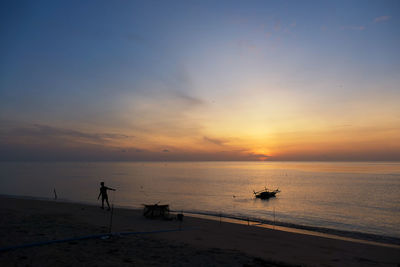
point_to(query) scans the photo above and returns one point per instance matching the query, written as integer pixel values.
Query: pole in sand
(111, 215)
(180, 219)
(274, 217)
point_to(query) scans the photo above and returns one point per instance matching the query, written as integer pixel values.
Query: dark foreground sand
(200, 243)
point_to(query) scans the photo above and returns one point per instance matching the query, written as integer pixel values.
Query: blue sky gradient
(161, 71)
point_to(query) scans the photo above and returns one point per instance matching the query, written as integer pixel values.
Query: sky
(200, 80)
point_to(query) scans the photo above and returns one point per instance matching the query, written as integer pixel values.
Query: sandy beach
(194, 242)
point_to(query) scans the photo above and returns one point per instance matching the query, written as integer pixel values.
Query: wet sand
(194, 242)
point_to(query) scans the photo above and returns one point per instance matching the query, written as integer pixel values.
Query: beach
(139, 241)
(266, 133)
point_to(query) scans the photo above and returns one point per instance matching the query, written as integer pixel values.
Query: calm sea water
(362, 197)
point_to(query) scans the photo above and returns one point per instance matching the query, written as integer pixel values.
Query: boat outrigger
(266, 193)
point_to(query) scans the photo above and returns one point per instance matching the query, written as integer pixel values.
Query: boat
(266, 193)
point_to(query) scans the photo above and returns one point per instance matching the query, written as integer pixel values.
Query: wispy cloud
(277, 25)
(354, 28)
(46, 131)
(215, 141)
(381, 19)
(186, 98)
(176, 86)
(254, 156)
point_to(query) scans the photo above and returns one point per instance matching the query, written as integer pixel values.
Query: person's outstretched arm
(109, 188)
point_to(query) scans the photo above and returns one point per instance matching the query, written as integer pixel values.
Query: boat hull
(266, 194)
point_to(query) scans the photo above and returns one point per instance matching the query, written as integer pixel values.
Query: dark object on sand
(156, 211)
(266, 194)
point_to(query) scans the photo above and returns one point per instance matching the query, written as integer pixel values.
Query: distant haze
(200, 80)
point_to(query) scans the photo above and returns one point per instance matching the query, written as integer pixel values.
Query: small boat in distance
(266, 193)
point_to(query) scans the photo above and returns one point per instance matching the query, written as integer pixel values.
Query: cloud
(165, 151)
(381, 19)
(186, 98)
(248, 46)
(354, 28)
(45, 131)
(254, 156)
(344, 125)
(215, 141)
(174, 87)
(133, 149)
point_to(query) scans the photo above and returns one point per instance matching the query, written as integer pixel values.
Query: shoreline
(193, 241)
(352, 236)
(306, 229)
(359, 237)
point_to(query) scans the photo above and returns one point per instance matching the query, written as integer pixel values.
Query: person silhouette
(103, 194)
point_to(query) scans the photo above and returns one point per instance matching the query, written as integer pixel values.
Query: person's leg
(102, 202)
(108, 204)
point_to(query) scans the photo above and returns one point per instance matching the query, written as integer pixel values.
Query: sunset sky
(200, 80)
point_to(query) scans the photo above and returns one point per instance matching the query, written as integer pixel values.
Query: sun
(261, 154)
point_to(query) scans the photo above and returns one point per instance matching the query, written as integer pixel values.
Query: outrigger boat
(266, 194)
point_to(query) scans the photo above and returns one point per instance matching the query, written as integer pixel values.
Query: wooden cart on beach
(156, 211)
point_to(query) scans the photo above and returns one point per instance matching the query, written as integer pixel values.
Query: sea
(355, 197)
